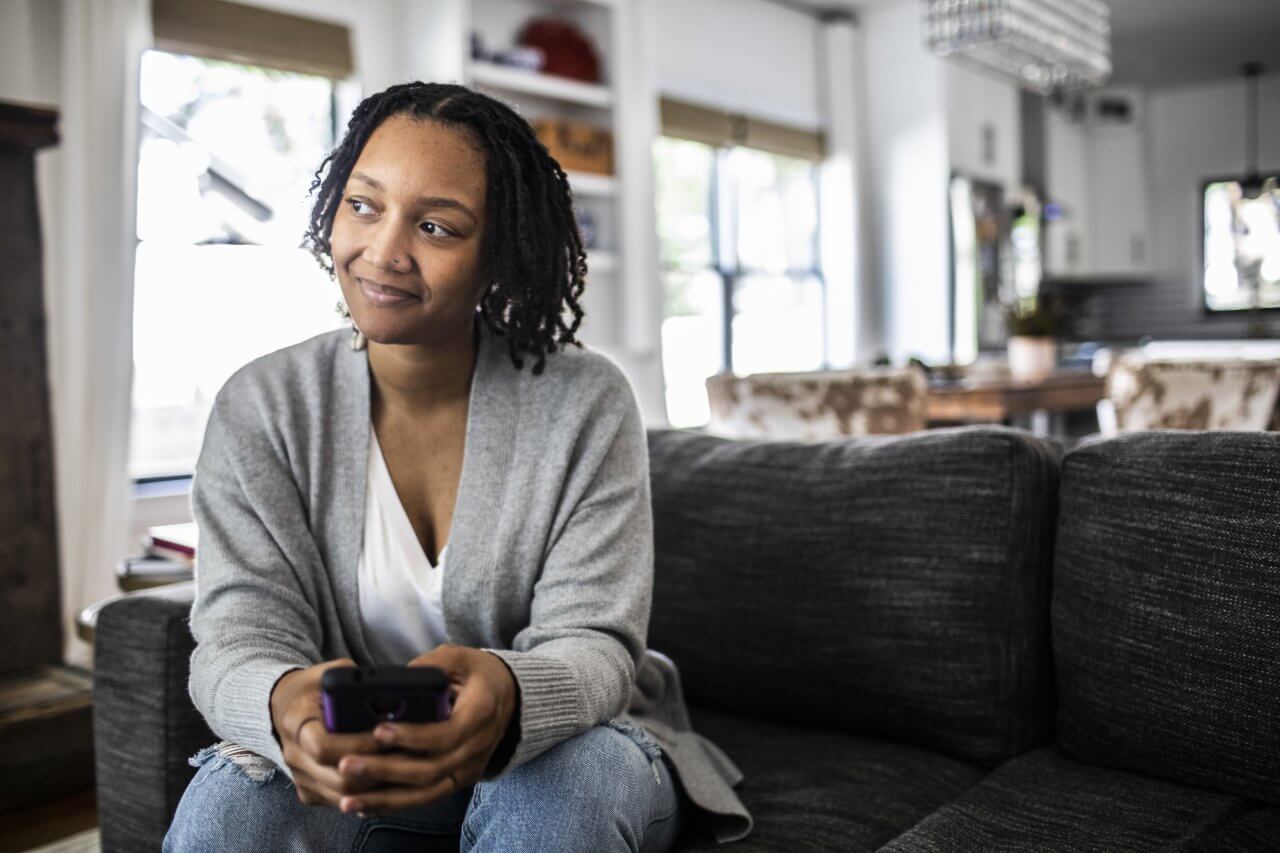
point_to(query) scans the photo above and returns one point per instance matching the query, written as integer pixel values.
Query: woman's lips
(385, 296)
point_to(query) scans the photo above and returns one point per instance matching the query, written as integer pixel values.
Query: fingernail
(385, 734)
(355, 768)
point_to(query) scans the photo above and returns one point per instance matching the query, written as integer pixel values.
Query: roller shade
(216, 29)
(722, 129)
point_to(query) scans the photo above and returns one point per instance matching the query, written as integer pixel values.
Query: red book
(172, 540)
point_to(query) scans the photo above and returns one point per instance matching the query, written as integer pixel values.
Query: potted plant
(1034, 325)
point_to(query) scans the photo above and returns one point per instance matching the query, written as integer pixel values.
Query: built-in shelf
(540, 85)
(585, 183)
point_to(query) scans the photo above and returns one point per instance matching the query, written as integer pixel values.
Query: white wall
(1191, 133)
(748, 56)
(909, 154)
(29, 53)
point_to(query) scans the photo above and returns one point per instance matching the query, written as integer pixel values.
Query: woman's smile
(385, 296)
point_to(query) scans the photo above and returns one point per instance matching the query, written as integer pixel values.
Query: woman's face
(412, 218)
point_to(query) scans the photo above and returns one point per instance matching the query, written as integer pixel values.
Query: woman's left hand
(438, 758)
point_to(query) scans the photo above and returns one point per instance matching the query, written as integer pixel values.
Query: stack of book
(168, 556)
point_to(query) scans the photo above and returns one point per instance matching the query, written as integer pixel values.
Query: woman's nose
(387, 248)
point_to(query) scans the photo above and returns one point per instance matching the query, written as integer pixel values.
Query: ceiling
(1168, 42)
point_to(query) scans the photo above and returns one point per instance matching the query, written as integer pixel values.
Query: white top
(401, 607)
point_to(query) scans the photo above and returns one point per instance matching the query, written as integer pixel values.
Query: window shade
(216, 29)
(723, 129)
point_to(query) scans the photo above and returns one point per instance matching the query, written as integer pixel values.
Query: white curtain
(90, 252)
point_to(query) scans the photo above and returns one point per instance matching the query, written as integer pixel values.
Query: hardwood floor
(46, 823)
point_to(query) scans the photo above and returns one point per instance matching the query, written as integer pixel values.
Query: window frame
(725, 263)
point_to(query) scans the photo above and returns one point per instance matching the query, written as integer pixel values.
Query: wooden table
(1001, 400)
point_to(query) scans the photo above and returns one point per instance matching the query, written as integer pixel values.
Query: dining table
(1035, 403)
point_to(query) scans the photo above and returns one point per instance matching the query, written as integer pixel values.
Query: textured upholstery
(894, 587)
(817, 406)
(863, 626)
(813, 789)
(1166, 608)
(144, 725)
(1046, 802)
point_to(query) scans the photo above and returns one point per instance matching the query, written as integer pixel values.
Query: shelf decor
(1045, 45)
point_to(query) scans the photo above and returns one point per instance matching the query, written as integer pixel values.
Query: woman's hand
(310, 750)
(438, 758)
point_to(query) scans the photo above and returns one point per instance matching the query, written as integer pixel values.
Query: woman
(334, 477)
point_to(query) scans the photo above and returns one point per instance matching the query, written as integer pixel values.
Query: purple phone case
(443, 708)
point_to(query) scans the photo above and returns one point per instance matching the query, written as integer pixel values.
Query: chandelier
(1046, 45)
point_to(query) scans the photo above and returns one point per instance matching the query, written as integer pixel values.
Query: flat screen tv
(1241, 248)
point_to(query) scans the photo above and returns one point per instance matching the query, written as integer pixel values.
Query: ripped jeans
(608, 788)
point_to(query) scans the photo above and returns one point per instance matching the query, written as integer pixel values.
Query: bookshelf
(623, 293)
(514, 81)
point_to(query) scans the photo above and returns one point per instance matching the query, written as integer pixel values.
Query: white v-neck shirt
(401, 602)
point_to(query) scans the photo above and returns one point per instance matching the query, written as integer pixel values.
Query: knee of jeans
(227, 791)
(246, 764)
(614, 759)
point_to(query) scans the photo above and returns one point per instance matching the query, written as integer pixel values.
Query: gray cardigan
(550, 549)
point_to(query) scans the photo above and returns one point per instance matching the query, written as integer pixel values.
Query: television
(1241, 243)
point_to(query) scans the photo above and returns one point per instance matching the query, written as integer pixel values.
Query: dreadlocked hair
(533, 248)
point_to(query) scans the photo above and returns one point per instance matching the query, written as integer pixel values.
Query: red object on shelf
(568, 52)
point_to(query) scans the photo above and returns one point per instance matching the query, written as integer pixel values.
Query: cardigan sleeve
(576, 660)
(252, 618)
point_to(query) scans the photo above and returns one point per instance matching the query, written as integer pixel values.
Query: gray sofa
(953, 640)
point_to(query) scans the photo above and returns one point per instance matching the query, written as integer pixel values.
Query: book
(174, 541)
(150, 570)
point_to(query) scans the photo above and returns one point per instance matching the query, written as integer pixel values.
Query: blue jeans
(608, 788)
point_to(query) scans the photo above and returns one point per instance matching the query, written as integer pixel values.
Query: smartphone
(357, 698)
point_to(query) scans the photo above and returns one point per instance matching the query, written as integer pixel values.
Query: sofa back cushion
(892, 586)
(1166, 608)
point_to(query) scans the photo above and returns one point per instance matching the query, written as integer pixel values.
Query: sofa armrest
(144, 724)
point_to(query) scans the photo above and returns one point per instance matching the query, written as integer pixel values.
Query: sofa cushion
(820, 790)
(1166, 610)
(1044, 801)
(891, 586)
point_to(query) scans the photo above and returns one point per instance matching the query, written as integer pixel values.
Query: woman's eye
(356, 205)
(436, 230)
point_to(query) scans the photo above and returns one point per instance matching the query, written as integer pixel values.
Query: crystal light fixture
(1046, 45)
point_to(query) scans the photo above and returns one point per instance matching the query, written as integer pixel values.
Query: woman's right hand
(310, 750)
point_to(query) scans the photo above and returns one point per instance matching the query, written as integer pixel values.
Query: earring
(358, 340)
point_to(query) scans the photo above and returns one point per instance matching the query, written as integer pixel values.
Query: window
(226, 157)
(738, 237)
(1242, 245)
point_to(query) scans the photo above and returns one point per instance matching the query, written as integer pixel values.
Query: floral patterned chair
(817, 406)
